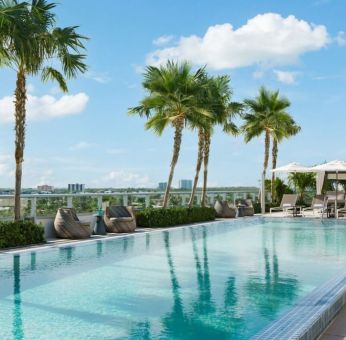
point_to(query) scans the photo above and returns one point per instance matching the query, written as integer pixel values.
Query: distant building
(75, 188)
(45, 188)
(162, 185)
(185, 184)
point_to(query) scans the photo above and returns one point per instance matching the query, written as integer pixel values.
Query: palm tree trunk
(207, 141)
(20, 100)
(266, 152)
(274, 160)
(198, 165)
(265, 165)
(179, 125)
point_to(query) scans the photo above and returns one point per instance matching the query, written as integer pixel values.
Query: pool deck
(337, 329)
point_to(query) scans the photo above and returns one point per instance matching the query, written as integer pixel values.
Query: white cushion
(286, 205)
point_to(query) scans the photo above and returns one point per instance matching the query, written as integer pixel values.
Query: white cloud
(45, 107)
(100, 77)
(340, 38)
(122, 179)
(266, 39)
(139, 69)
(286, 77)
(80, 146)
(163, 40)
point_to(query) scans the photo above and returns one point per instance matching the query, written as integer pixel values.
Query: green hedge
(154, 218)
(21, 233)
(258, 210)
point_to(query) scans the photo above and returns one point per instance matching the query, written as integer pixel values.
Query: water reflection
(99, 249)
(17, 329)
(175, 322)
(198, 319)
(128, 244)
(33, 261)
(204, 303)
(270, 293)
(66, 254)
(147, 241)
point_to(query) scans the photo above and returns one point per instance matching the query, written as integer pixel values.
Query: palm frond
(49, 73)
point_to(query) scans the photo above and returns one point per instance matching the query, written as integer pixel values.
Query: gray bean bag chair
(223, 210)
(248, 207)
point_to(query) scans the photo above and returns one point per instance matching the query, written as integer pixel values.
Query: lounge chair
(317, 204)
(223, 210)
(68, 225)
(331, 199)
(341, 211)
(120, 219)
(288, 203)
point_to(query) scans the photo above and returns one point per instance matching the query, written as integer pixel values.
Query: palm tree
(266, 112)
(301, 182)
(215, 99)
(33, 42)
(173, 90)
(286, 128)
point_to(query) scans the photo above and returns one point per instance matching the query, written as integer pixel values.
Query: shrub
(154, 218)
(20, 233)
(258, 210)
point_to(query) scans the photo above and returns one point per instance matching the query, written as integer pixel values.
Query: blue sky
(297, 47)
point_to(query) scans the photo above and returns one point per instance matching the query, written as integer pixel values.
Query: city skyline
(99, 139)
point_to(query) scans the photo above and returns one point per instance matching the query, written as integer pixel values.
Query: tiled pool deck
(322, 311)
(337, 329)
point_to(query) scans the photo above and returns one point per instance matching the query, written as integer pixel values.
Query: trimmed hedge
(155, 218)
(258, 210)
(20, 233)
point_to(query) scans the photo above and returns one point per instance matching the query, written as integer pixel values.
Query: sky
(86, 136)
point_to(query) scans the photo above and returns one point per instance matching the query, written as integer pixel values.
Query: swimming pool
(222, 280)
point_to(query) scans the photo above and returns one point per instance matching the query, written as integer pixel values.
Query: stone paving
(337, 329)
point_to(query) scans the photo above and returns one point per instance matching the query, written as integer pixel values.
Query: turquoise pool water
(225, 280)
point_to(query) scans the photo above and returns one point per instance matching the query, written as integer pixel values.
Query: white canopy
(296, 167)
(292, 167)
(333, 166)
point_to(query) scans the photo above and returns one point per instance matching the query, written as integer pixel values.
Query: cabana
(333, 170)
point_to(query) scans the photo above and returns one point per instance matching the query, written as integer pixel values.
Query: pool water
(224, 280)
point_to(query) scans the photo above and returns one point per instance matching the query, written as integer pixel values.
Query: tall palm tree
(224, 119)
(173, 90)
(32, 44)
(286, 128)
(266, 111)
(215, 99)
